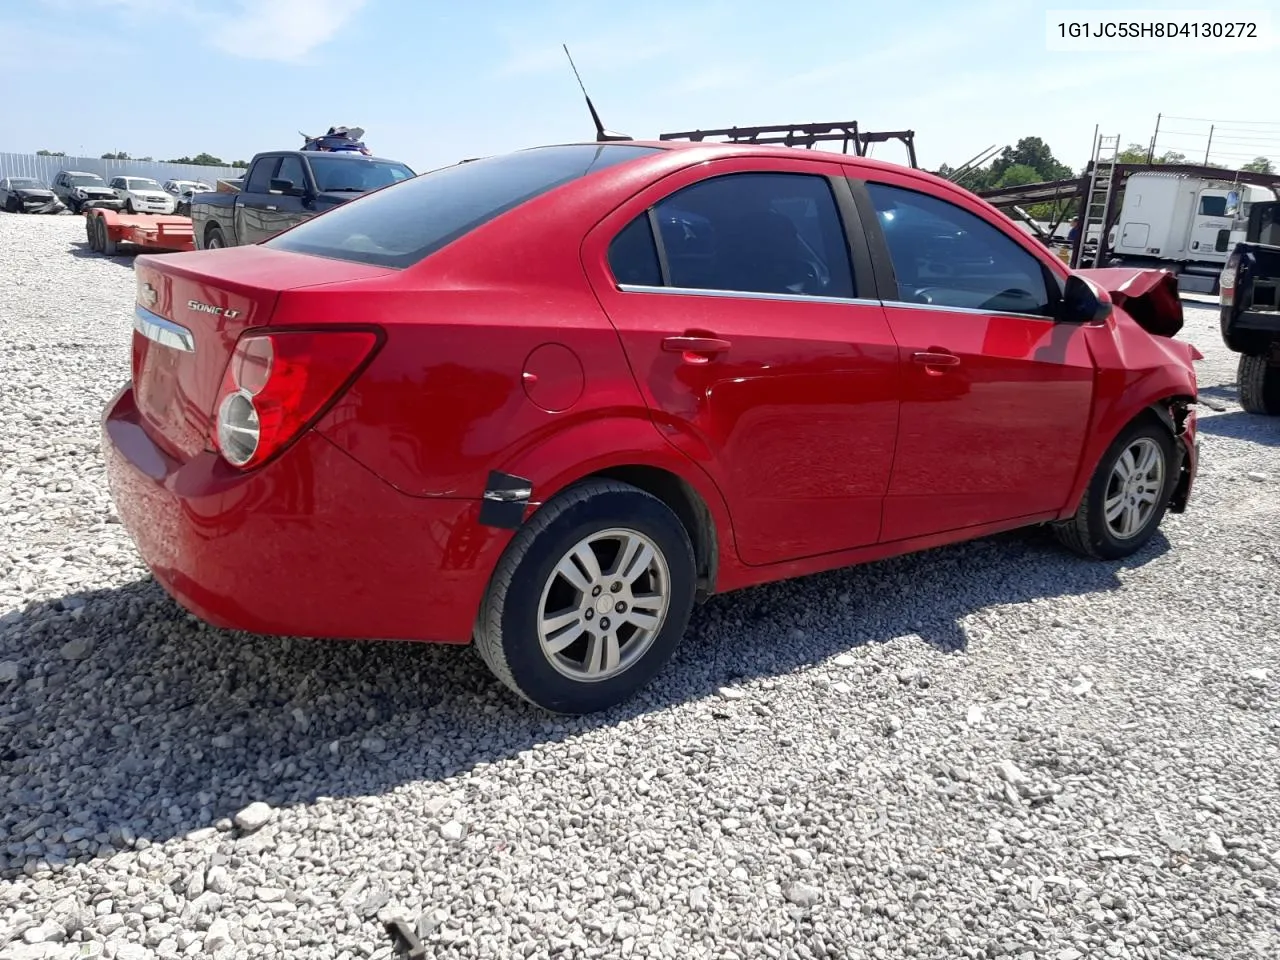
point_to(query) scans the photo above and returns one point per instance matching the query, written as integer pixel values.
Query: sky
(433, 82)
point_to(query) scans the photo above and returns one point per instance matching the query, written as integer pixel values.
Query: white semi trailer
(1190, 224)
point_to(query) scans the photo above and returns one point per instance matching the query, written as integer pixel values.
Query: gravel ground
(983, 751)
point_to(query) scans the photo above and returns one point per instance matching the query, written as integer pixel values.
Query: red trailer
(108, 229)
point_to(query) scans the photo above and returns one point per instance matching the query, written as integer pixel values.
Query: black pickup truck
(1250, 310)
(282, 189)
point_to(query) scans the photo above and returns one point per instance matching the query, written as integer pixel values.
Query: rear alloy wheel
(590, 599)
(1258, 380)
(1127, 497)
(213, 239)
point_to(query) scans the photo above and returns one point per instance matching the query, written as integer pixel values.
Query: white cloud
(280, 30)
(285, 30)
(534, 46)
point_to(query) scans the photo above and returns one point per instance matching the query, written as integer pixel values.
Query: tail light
(278, 384)
(1227, 279)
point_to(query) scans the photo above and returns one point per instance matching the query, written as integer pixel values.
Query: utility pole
(1208, 146)
(1151, 151)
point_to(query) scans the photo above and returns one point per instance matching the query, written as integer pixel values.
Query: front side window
(775, 233)
(259, 180)
(945, 256)
(291, 170)
(1213, 206)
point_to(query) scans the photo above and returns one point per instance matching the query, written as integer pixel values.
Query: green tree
(1259, 165)
(116, 156)
(1017, 175)
(1137, 153)
(1034, 153)
(50, 153)
(202, 160)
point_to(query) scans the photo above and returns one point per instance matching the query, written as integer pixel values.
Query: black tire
(11, 205)
(91, 233)
(213, 238)
(507, 634)
(128, 205)
(1089, 533)
(1258, 381)
(106, 246)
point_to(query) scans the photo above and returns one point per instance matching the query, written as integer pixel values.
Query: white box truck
(1190, 224)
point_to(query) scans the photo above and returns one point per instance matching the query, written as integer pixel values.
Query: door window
(291, 170)
(260, 176)
(1213, 205)
(773, 233)
(633, 256)
(946, 256)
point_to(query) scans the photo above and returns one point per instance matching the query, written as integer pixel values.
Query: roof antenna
(602, 135)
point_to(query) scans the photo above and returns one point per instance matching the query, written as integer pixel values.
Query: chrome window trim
(744, 295)
(164, 332)
(805, 298)
(973, 311)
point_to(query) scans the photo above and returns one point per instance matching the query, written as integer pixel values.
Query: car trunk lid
(191, 309)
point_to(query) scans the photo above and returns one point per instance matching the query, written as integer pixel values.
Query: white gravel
(985, 751)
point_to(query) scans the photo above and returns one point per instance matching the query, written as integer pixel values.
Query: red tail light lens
(277, 384)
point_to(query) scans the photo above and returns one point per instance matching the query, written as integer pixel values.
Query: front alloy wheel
(1134, 488)
(1125, 501)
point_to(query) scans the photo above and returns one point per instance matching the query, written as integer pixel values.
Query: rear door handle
(697, 345)
(929, 358)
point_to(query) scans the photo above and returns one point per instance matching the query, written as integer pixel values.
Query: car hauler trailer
(108, 230)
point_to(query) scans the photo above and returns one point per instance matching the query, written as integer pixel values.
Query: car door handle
(271, 206)
(699, 345)
(929, 358)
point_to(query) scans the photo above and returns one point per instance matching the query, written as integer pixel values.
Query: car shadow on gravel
(83, 251)
(128, 720)
(1239, 425)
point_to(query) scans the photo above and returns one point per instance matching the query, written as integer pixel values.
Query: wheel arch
(686, 503)
(645, 460)
(1170, 409)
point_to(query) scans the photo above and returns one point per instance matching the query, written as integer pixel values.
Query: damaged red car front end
(1146, 317)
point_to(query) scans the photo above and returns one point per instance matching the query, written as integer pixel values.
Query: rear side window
(633, 256)
(773, 233)
(399, 226)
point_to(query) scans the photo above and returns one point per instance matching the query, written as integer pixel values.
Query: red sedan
(547, 401)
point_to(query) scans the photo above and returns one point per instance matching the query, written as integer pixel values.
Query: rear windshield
(355, 176)
(399, 226)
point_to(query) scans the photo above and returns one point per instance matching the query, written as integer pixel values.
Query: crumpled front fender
(1149, 296)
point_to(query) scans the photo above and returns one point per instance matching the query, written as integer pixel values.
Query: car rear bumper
(312, 544)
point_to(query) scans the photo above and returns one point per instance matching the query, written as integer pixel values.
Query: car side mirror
(1080, 304)
(279, 185)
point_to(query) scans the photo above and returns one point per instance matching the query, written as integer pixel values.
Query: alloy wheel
(604, 605)
(1134, 488)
